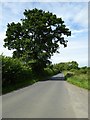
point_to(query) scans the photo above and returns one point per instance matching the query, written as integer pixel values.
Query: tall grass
(78, 77)
(81, 80)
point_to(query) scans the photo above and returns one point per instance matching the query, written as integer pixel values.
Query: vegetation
(66, 66)
(78, 77)
(74, 74)
(16, 74)
(81, 80)
(36, 38)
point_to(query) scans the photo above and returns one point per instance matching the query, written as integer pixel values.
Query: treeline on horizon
(17, 74)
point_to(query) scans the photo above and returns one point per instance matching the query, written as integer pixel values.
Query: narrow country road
(54, 98)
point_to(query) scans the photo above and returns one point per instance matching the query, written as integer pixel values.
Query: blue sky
(75, 16)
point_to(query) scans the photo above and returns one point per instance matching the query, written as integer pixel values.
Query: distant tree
(36, 37)
(70, 65)
(73, 65)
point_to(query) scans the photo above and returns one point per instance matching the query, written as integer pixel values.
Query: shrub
(48, 71)
(84, 71)
(13, 71)
(69, 74)
(73, 70)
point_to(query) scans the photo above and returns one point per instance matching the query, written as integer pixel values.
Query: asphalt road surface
(54, 98)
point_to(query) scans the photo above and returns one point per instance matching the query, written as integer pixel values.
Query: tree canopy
(36, 37)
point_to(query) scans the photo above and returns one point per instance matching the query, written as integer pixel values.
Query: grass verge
(78, 79)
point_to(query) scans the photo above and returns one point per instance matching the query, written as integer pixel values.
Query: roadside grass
(78, 78)
(80, 81)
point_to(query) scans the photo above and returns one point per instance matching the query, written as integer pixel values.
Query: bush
(84, 71)
(69, 74)
(73, 70)
(48, 71)
(13, 71)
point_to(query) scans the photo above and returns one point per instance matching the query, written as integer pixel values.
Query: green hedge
(13, 71)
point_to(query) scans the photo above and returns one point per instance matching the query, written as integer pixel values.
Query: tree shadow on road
(55, 79)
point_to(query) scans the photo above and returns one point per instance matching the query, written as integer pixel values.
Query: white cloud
(12, 7)
(75, 51)
(79, 57)
(3, 50)
(74, 13)
(6, 52)
(79, 34)
(82, 17)
(2, 36)
(1, 15)
(79, 31)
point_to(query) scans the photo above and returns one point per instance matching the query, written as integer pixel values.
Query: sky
(75, 16)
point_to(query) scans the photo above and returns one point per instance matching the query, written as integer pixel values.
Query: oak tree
(36, 37)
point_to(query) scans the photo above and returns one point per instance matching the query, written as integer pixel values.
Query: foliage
(72, 65)
(48, 71)
(16, 74)
(69, 74)
(66, 66)
(36, 37)
(83, 70)
(14, 71)
(78, 77)
(81, 80)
